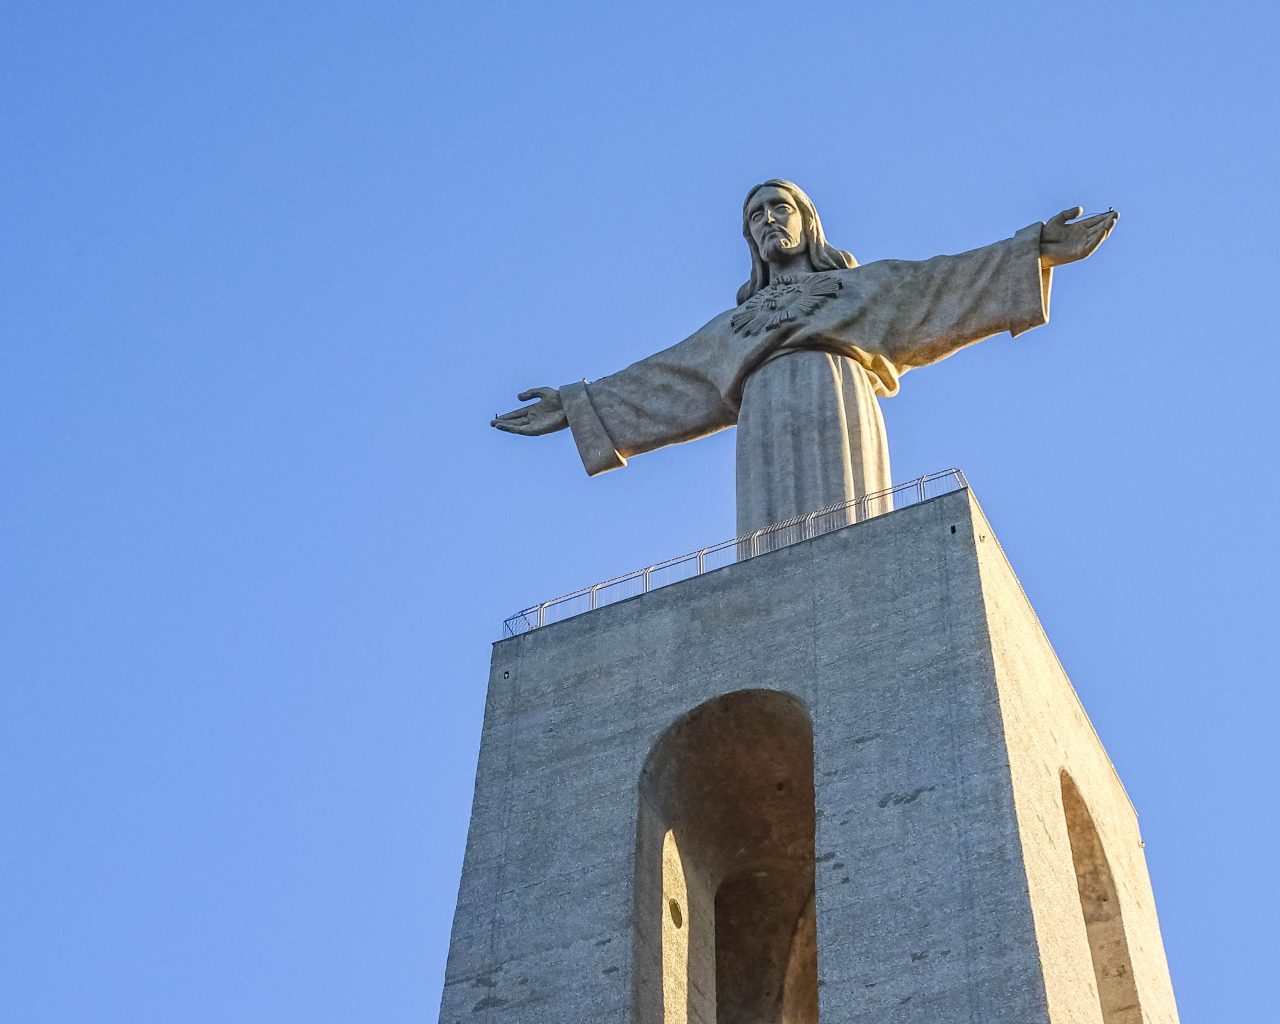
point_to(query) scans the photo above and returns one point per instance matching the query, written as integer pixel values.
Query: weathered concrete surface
(945, 885)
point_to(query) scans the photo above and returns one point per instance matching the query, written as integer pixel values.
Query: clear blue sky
(267, 271)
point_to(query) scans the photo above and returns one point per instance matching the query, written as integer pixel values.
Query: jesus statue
(798, 364)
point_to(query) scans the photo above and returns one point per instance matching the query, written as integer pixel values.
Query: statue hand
(1061, 242)
(543, 417)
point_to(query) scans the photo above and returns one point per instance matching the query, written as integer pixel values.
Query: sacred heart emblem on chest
(784, 299)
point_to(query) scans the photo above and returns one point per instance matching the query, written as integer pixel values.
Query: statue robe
(802, 392)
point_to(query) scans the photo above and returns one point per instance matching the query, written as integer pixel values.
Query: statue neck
(792, 265)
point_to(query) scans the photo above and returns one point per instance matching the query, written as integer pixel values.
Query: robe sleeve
(929, 309)
(665, 399)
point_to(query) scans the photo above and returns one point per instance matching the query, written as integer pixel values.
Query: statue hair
(822, 254)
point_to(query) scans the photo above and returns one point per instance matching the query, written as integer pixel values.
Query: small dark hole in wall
(677, 918)
(781, 786)
(507, 675)
(953, 529)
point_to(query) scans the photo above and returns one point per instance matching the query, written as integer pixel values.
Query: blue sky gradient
(269, 269)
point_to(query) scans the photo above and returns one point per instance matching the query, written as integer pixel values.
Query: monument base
(847, 780)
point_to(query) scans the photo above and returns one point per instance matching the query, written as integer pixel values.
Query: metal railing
(683, 567)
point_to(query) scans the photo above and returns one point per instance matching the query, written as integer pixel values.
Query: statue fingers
(512, 426)
(1092, 237)
(1100, 231)
(1066, 215)
(514, 416)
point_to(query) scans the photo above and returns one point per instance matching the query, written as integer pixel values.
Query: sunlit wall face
(675, 935)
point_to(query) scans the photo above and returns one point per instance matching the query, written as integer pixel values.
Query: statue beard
(780, 247)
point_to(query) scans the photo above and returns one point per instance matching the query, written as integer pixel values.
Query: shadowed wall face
(1100, 905)
(725, 867)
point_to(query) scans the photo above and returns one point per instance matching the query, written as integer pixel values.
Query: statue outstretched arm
(936, 307)
(673, 396)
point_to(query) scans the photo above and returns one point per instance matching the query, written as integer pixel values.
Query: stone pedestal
(646, 829)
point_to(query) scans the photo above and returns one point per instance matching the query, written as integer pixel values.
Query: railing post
(591, 598)
(542, 615)
(920, 487)
(702, 559)
(646, 579)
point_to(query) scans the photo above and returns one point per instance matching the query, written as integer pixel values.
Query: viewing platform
(730, 552)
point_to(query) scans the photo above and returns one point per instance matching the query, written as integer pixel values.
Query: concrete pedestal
(974, 857)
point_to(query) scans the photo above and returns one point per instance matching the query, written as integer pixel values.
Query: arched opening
(1100, 905)
(725, 924)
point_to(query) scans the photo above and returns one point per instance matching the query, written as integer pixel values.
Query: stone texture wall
(942, 891)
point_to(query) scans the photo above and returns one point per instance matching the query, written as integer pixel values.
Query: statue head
(784, 234)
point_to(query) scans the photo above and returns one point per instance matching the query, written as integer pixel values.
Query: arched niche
(1100, 906)
(725, 927)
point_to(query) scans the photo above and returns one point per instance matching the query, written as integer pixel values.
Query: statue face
(776, 224)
